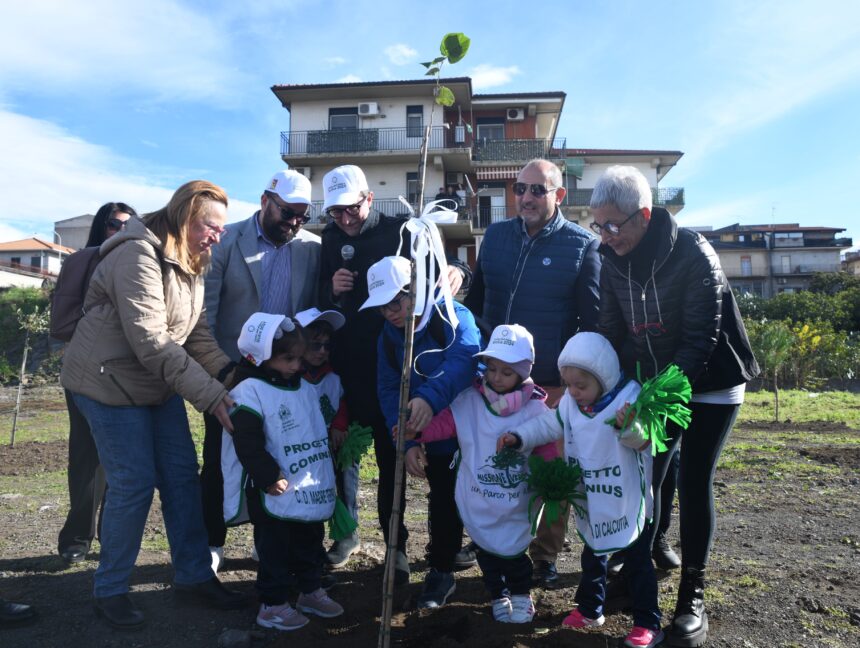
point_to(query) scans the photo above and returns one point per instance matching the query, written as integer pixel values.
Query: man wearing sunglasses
(266, 263)
(541, 271)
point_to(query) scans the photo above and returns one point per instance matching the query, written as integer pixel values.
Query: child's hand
(621, 415)
(420, 414)
(336, 438)
(416, 460)
(633, 436)
(409, 435)
(508, 440)
(279, 487)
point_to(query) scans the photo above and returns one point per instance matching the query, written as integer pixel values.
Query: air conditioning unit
(305, 171)
(516, 114)
(369, 109)
(453, 178)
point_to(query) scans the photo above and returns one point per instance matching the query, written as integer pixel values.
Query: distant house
(73, 232)
(30, 262)
(851, 263)
(478, 143)
(766, 260)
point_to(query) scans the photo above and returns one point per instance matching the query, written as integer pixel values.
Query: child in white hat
(278, 471)
(319, 327)
(616, 465)
(493, 499)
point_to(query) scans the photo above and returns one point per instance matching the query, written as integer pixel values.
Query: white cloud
(489, 76)
(167, 50)
(400, 54)
(333, 61)
(349, 78)
(38, 188)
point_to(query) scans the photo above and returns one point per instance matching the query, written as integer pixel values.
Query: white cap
(255, 340)
(344, 186)
(290, 186)
(593, 353)
(510, 343)
(385, 279)
(313, 314)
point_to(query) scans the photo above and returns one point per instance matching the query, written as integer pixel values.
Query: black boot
(664, 556)
(211, 593)
(689, 627)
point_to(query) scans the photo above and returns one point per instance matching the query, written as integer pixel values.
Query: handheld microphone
(347, 252)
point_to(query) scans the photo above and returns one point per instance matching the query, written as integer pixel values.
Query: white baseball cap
(510, 343)
(344, 186)
(313, 314)
(593, 353)
(290, 186)
(255, 340)
(385, 279)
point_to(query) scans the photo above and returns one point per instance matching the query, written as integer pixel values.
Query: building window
(746, 266)
(785, 264)
(36, 262)
(15, 262)
(343, 118)
(414, 121)
(412, 187)
(491, 128)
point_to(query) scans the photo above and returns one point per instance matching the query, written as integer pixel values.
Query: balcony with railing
(806, 268)
(516, 150)
(365, 140)
(662, 197)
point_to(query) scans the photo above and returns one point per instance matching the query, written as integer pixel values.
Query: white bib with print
(297, 438)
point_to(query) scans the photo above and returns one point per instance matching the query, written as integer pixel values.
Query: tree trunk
(775, 398)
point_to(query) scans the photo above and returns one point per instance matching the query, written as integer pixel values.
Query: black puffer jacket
(668, 301)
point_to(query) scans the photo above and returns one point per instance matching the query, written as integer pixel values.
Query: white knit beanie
(593, 353)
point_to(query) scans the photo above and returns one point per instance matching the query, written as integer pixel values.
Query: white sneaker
(217, 558)
(502, 609)
(522, 608)
(320, 604)
(281, 617)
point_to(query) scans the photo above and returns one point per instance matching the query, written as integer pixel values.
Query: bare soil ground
(785, 568)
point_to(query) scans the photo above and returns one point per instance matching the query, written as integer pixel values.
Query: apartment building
(477, 145)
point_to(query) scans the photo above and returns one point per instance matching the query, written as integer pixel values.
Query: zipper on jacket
(118, 386)
(521, 265)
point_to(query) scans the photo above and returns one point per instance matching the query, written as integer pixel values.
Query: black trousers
(443, 520)
(291, 553)
(667, 492)
(513, 574)
(703, 442)
(212, 483)
(86, 483)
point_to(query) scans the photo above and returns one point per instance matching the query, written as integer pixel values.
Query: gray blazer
(233, 282)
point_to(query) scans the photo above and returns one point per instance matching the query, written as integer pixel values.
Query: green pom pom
(358, 441)
(555, 482)
(662, 398)
(340, 524)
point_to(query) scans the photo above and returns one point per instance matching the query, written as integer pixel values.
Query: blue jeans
(141, 449)
(638, 573)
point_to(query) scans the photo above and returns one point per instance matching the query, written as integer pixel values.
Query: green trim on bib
(245, 408)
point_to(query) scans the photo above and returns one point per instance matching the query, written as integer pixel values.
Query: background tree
(773, 343)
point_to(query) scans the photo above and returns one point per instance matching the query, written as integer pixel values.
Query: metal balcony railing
(516, 150)
(662, 197)
(806, 268)
(365, 140)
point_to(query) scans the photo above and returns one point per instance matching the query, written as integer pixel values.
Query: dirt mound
(33, 457)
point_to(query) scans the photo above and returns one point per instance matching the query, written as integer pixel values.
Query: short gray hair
(551, 170)
(623, 187)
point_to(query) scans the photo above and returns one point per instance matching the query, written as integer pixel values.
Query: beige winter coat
(144, 336)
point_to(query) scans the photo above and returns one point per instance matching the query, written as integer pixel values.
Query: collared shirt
(275, 291)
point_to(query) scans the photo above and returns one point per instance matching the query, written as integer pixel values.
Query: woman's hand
(222, 412)
(416, 460)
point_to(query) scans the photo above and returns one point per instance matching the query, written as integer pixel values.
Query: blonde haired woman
(140, 349)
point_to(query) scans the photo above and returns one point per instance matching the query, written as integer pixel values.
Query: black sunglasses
(115, 223)
(538, 190)
(613, 229)
(288, 214)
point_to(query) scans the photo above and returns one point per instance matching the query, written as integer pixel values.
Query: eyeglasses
(115, 223)
(613, 229)
(537, 190)
(319, 346)
(217, 230)
(288, 214)
(394, 306)
(339, 212)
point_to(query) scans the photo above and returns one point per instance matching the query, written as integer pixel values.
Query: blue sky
(116, 100)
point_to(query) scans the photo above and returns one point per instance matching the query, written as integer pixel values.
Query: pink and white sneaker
(281, 617)
(578, 620)
(640, 637)
(320, 604)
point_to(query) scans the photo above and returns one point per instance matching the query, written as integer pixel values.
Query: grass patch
(803, 406)
(751, 582)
